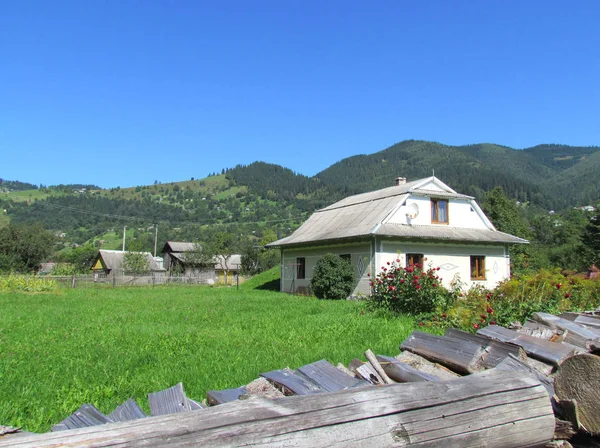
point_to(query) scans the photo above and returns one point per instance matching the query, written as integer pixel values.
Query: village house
(111, 262)
(423, 221)
(183, 258)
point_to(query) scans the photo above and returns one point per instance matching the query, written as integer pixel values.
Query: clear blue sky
(122, 93)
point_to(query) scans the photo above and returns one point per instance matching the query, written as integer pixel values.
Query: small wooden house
(111, 262)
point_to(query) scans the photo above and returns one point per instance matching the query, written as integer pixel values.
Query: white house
(423, 221)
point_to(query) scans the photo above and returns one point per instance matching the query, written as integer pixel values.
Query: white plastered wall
(454, 260)
(461, 213)
(360, 254)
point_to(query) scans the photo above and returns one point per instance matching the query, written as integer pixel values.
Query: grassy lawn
(60, 350)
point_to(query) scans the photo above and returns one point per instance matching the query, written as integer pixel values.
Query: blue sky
(122, 93)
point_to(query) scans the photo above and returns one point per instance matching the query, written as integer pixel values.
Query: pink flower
(434, 285)
(567, 295)
(558, 285)
(476, 326)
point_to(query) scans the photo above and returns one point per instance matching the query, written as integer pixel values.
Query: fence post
(73, 281)
(114, 280)
(153, 280)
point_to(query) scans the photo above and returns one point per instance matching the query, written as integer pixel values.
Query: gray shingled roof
(113, 259)
(434, 232)
(177, 246)
(361, 216)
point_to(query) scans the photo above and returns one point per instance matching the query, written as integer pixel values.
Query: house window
(477, 267)
(346, 257)
(439, 211)
(300, 268)
(412, 259)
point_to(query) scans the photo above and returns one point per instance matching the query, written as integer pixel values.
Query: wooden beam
(461, 356)
(491, 408)
(546, 351)
(495, 351)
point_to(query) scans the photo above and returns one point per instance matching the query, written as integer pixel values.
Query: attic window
(439, 211)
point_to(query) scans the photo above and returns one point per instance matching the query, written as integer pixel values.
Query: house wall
(460, 213)
(360, 255)
(453, 259)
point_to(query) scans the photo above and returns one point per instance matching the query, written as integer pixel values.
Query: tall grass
(62, 349)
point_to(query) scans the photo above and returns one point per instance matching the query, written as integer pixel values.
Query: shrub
(333, 278)
(516, 300)
(27, 283)
(410, 290)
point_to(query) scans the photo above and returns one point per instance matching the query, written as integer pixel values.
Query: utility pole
(124, 229)
(155, 238)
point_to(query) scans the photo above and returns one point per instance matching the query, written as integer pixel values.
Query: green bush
(26, 283)
(516, 300)
(333, 278)
(411, 290)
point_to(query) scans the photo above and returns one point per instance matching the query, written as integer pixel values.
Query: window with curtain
(439, 211)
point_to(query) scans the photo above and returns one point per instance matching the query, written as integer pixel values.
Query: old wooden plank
(495, 351)
(540, 331)
(546, 351)
(377, 367)
(195, 405)
(368, 373)
(130, 410)
(588, 320)
(426, 366)
(169, 401)
(86, 415)
(402, 372)
(425, 414)
(295, 382)
(577, 334)
(329, 378)
(461, 356)
(512, 363)
(216, 397)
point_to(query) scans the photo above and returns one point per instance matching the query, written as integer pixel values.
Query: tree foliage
(333, 278)
(24, 247)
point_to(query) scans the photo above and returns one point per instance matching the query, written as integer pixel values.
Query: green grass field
(60, 350)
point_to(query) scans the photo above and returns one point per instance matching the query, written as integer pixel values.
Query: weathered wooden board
(86, 415)
(169, 401)
(512, 363)
(130, 410)
(369, 374)
(582, 319)
(295, 382)
(425, 366)
(495, 351)
(461, 356)
(329, 378)
(425, 414)
(546, 351)
(216, 397)
(402, 372)
(579, 335)
(540, 331)
(195, 405)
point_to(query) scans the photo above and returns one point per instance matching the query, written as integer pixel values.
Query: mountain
(251, 199)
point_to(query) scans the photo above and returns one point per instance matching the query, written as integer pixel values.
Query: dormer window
(439, 211)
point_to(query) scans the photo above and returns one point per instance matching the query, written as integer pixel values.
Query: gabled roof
(178, 246)
(365, 214)
(113, 259)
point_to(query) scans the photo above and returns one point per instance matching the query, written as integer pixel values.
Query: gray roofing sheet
(374, 195)
(177, 246)
(440, 232)
(113, 259)
(440, 194)
(342, 222)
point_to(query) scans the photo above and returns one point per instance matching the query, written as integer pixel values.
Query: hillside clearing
(79, 346)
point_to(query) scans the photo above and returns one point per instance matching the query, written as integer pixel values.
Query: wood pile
(535, 385)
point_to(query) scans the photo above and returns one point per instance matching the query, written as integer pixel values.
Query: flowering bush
(516, 300)
(411, 290)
